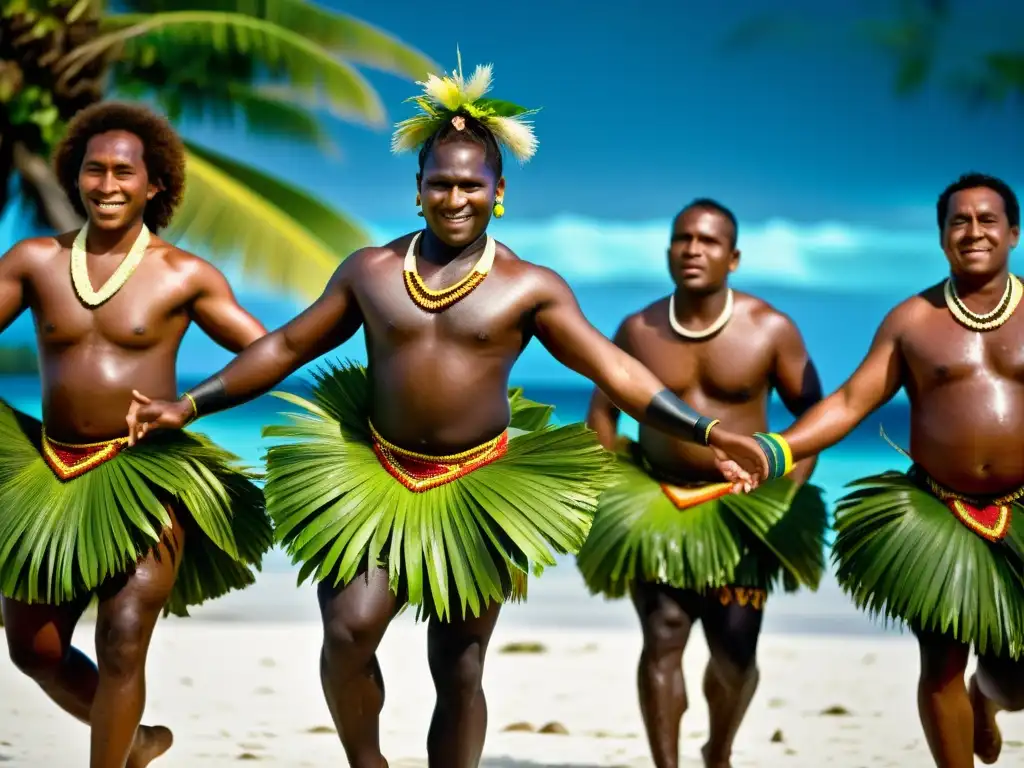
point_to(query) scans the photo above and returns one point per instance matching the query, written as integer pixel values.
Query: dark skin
(89, 358)
(440, 384)
(730, 374)
(966, 391)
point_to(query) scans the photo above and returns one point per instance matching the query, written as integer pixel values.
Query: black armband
(670, 414)
(208, 397)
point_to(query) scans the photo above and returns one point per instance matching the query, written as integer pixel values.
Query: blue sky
(832, 176)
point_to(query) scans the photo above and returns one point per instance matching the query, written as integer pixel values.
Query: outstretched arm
(796, 380)
(565, 332)
(327, 323)
(872, 385)
(217, 312)
(12, 286)
(603, 415)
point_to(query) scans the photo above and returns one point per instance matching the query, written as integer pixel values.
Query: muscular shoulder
(770, 321)
(26, 256)
(193, 271)
(913, 312)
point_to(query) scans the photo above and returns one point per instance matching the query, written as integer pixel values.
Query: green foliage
(18, 361)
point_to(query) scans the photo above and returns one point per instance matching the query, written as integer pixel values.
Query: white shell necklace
(715, 327)
(80, 268)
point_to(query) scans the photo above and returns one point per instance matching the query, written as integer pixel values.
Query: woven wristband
(776, 449)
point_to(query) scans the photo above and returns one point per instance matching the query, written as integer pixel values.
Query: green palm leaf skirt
(903, 555)
(773, 535)
(455, 547)
(61, 539)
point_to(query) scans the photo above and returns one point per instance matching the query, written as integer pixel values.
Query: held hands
(145, 416)
(740, 459)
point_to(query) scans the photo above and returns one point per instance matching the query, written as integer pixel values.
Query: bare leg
(666, 615)
(942, 701)
(355, 618)
(731, 677)
(997, 686)
(39, 642)
(128, 611)
(456, 652)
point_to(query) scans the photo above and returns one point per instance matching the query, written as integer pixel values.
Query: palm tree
(268, 65)
(925, 39)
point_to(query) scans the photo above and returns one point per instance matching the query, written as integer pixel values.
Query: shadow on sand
(511, 762)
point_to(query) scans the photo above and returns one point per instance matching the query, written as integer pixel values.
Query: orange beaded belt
(69, 461)
(682, 496)
(990, 521)
(420, 472)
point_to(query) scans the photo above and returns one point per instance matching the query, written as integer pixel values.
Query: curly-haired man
(144, 529)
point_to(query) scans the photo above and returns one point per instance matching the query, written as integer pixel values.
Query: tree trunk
(40, 176)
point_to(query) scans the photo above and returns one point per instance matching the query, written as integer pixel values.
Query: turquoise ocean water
(558, 598)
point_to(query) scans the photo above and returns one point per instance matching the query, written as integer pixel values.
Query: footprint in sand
(268, 663)
(320, 729)
(518, 727)
(248, 756)
(836, 710)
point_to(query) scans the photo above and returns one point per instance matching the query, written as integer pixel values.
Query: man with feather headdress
(422, 479)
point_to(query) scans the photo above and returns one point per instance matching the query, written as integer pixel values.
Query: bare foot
(705, 752)
(988, 741)
(151, 741)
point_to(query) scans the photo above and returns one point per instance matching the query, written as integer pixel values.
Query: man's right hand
(146, 415)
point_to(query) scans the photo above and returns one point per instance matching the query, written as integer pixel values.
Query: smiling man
(147, 529)
(941, 547)
(670, 535)
(421, 480)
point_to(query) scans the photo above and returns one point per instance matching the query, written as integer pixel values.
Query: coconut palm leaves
(59, 540)
(750, 539)
(902, 555)
(269, 66)
(443, 97)
(454, 548)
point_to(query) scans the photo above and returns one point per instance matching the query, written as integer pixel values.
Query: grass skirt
(903, 555)
(776, 533)
(456, 547)
(62, 539)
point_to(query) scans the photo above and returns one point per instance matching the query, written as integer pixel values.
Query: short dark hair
(474, 131)
(162, 151)
(974, 181)
(706, 203)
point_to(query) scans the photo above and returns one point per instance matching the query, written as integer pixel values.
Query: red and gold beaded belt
(69, 461)
(420, 472)
(990, 521)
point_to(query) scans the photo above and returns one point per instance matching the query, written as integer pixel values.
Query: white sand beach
(238, 690)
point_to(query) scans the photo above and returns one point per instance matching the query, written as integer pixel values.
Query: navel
(49, 328)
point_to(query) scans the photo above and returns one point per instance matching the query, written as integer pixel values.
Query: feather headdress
(447, 98)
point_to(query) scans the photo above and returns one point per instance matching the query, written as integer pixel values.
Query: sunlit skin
(731, 374)
(89, 360)
(439, 386)
(966, 392)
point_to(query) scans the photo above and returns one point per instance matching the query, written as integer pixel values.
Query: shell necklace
(715, 327)
(80, 268)
(990, 320)
(437, 301)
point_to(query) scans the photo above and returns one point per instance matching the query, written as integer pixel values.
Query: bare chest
(728, 368)
(491, 314)
(943, 351)
(142, 313)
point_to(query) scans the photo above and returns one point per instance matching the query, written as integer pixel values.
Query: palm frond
(750, 539)
(902, 555)
(305, 65)
(63, 539)
(282, 235)
(453, 548)
(346, 36)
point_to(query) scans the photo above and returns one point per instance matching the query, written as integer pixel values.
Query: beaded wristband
(778, 453)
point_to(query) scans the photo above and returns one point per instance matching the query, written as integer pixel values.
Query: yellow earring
(499, 208)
